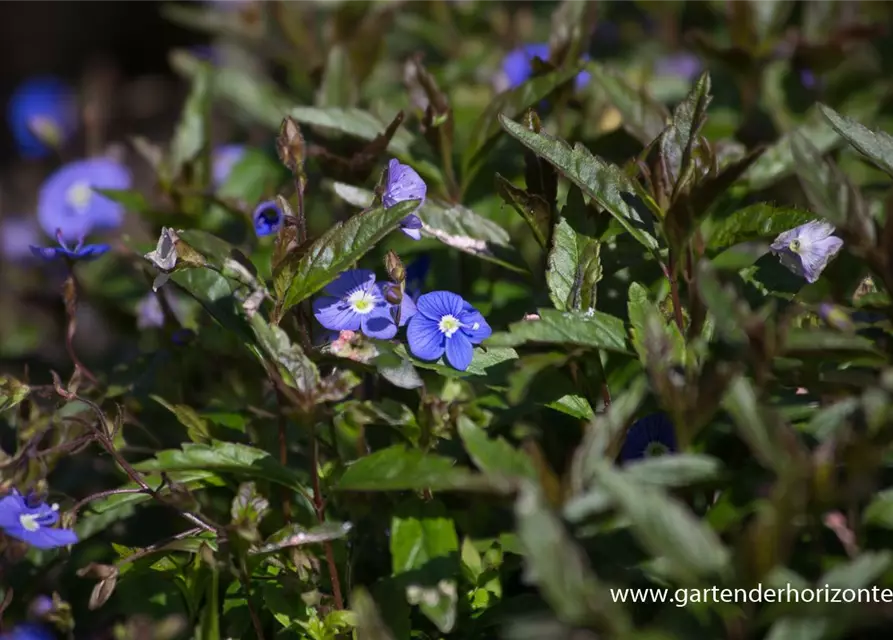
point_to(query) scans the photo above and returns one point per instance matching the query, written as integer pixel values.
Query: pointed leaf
(605, 183)
(304, 273)
(877, 146)
(573, 268)
(587, 329)
(191, 135)
(643, 117)
(494, 455)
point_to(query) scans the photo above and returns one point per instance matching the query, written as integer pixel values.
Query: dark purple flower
(41, 606)
(32, 522)
(79, 252)
(681, 65)
(42, 114)
(808, 79)
(69, 205)
(225, 158)
(355, 302)
(17, 234)
(416, 272)
(402, 184)
(651, 436)
(807, 249)
(446, 324)
(267, 218)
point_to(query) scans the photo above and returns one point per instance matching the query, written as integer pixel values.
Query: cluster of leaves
(312, 488)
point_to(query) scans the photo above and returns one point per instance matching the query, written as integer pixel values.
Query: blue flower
(267, 218)
(69, 205)
(403, 183)
(29, 631)
(446, 323)
(79, 252)
(17, 233)
(41, 111)
(225, 158)
(681, 65)
(32, 521)
(651, 436)
(517, 66)
(41, 606)
(807, 249)
(355, 302)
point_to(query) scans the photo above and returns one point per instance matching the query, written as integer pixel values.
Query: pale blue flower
(224, 159)
(807, 249)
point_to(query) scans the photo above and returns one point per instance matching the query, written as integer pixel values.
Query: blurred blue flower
(29, 631)
(31, 522)
(681, 65)
(416, 272)
(223, 161)
(69, 205)
(517, 66)
(64, 251)
(17, 234)
(42, 110)
(149, 313)
(403, 183)
(651, 436)
(808, 79)
(355, 302)
(267, 218)
(807, 249)
(41, 606)
(445, 323)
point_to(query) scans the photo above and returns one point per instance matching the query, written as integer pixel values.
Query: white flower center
(449, 325)
(29, 522)
(655, 449)
(79, 195)
(476, 326)
(795, 245)
(361, 301)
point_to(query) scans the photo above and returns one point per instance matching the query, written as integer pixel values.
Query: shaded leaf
(877, 146)
(573, 267)
(751, 223)
(191, 135)
(603, 182)
(12, 392)
(494, 455)
(643, 117)
(535, 211)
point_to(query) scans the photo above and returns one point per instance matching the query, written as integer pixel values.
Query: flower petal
(407, 309)
(471, 318)
(379, 325)
(350, 281)
(403, 183)
(816, 258)
(334, 314)
(47, 253)
(267, 218)
(425, 338)
(11, 507)
(437, 304)
(45, 537)
(459, 351)
(90, 252)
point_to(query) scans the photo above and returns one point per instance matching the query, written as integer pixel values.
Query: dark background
(122, 39)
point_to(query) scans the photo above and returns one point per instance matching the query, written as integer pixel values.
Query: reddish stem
(320, 506)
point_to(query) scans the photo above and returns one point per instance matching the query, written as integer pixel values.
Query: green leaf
(535, 211)
(877, 146)
(370, 625)
(510, 104)
(132, 200)
(191, 136)
(296, 368)
(743, 405)
(352, 122)
(752, 223)
(294, 535)
(561, 570)
(587, 329)
(821, 342)
(455, 226)
(253, 177)
(229, 457)
(879, 511)
(481, 363)
(860, 572)
(398, 468)
(256, 98)
(12, 392)
(813, 628)
(304, 273)
(196, 427)
(643, 117)
(678, 140)
(416, 541)
(778, 160)
(605, 183)
(665, 526)
(573, 267)
(494, 455)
